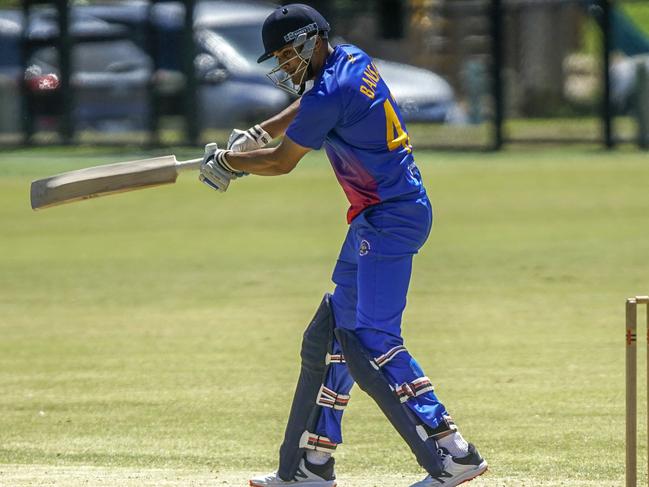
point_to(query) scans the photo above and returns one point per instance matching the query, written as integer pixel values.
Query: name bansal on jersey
(350, 111)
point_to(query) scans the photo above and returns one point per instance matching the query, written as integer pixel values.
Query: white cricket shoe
(456, 470)
(308, 475)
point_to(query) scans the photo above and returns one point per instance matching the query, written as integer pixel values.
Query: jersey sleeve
(319, 112)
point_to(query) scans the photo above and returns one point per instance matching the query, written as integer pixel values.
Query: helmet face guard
(304, 47)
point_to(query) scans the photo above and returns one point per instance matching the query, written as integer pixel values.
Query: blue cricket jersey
(351, 112)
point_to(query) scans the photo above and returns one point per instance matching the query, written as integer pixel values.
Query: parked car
(111, 80)
(232, 88)
(228, 37)
(10, 31)
(110, 75)
(422, 95)
(10, 71)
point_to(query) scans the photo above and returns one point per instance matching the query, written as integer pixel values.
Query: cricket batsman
(355, 335)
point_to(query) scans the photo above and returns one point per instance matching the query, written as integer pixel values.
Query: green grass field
(151, 338)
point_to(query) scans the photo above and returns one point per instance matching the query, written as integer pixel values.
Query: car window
(9, 51)
(46, 57)
(98, 56)
(246, 39)
(9, 43)
(223, 51)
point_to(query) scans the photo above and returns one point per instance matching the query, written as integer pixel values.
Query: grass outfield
(151, 338)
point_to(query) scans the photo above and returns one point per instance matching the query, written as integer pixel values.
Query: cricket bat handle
(190, 165)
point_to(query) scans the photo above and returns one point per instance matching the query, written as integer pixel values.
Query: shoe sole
(252, 484)
(472, 475)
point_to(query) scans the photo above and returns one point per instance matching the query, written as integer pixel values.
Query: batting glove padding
(246, 140)
(215, 171)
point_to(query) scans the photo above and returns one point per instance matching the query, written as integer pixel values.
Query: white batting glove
(247, 140)
(215, 170)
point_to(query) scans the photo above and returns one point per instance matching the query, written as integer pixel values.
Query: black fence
(468, 74)
(121, 86)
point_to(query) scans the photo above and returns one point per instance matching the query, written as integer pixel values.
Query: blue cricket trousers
(371, 277)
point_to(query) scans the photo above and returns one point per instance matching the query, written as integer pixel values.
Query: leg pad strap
(331, 399)
(311, 441)
(370, 378)
(310, 393)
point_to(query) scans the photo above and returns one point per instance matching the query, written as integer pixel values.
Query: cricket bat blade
(108, 179)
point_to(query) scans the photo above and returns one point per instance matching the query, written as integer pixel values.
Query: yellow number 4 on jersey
(392, 127)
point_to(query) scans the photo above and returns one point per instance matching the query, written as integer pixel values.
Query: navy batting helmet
(286, 23)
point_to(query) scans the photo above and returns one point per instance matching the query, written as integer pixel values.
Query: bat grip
(189, 165)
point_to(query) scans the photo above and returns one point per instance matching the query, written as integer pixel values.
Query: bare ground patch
(82, 476)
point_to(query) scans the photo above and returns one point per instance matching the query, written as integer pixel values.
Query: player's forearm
(276, 126)
(262, 162)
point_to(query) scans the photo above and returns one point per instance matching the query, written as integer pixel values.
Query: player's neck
(320, 60)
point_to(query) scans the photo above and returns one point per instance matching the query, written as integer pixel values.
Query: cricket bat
(108, 179)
